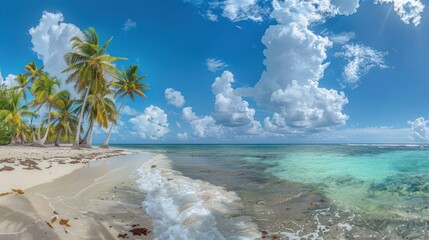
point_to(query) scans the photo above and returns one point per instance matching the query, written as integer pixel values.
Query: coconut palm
(23, 85)
(127, 84)
(64, 119)
(13, 112)
(100, 109)
(46, 94)
(33, 71)
(88, 65)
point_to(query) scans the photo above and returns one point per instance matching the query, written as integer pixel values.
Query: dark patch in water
(403, 185)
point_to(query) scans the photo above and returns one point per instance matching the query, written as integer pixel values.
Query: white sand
(100, 200)
(48, 164)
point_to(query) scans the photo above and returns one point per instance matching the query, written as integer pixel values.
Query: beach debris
(65, 222)
(135, 225)
(54, 219)
(30, 164)
(6, 168)
(55, 212)
(49, 224)
(140, 231)
(18, 191)
(122, 235)
(7, 160)
(65, 230)
(75, 162)
(4, 194)
(153, 166)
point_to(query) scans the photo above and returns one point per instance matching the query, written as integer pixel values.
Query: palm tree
(127, 84)
(23, 84)
(46, 94)
(101, 109)
(88, 65)
(32, 71)
(13, 112)
(64, 119)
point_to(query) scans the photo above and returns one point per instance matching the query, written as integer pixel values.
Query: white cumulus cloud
(51, 40)
(151, 124)
(408, 10)
(361, 59)
(237, 10)
(232, 117)
(419, 129)
(9, 81)
(230, 109)
(127, 110)
(215, 65)
(295, 62)
(188, 114)
(174, 97)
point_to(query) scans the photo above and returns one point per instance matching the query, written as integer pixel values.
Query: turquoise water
(357, 190)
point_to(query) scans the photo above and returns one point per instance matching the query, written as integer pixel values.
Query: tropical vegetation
(39, 110)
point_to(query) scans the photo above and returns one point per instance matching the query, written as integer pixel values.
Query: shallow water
(318, 191)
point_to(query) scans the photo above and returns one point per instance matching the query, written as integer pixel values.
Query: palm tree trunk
(43, 140)
(57, 140)
(88, 135)
(106, 142)
(89, 142)
(85, 138)
(31, 124)
(12, 134)
(76, 141)
(33, 134)
(38, 130)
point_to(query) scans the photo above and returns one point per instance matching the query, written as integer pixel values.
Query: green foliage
(5, 133)
(35, 91)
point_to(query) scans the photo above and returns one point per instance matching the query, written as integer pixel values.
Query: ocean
(287, 191)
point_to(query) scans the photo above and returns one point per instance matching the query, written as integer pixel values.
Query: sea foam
(185, 208)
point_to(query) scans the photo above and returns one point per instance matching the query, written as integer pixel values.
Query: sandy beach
(60, 193)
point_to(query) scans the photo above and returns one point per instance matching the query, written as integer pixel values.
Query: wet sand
(97, 201)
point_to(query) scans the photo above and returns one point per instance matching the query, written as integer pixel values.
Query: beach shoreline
(86, 200)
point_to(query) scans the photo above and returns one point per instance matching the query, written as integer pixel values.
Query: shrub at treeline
(5, 132)
(38, 111)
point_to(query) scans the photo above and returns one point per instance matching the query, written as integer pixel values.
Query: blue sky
(248, 71)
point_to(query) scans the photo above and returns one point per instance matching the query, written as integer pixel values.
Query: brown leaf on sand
(122, 235)
(49, 225)
(30, 164)
(4, 194)
(55, 212)
(7, 160)
(64, 221)
(140, 231)
(54, 219)
(19, 191)
(6, 168)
